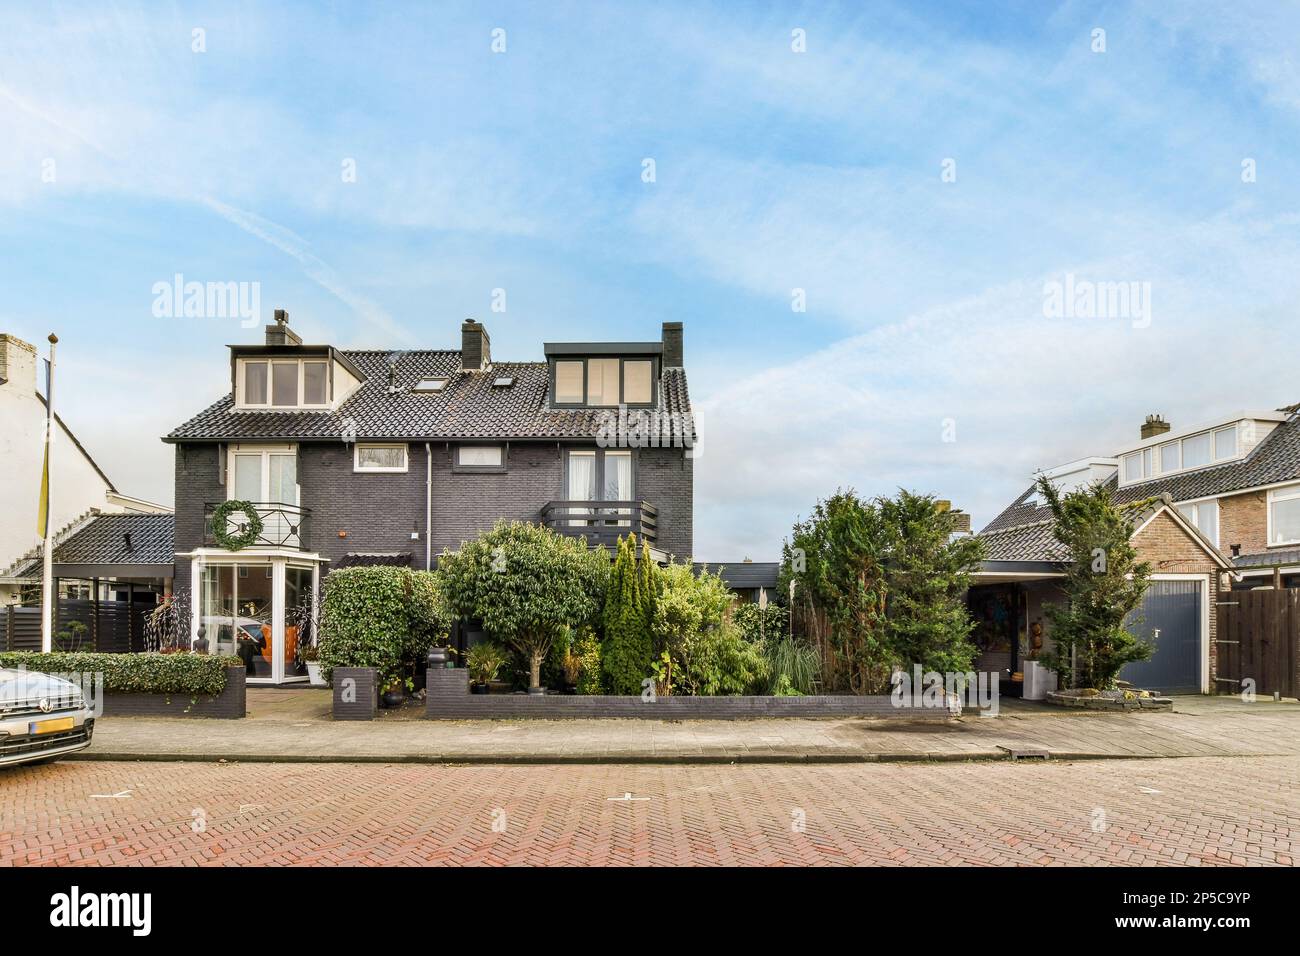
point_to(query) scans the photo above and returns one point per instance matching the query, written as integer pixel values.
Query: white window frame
(271, 361)
(1196, 515)
(1287, 493)
(1154, 470)
(376, 469)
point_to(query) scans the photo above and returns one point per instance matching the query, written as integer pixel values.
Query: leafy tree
(880, 584)
(834, 558)
(1104, 582)
(525, 583)
(927, 574)
(627, 652)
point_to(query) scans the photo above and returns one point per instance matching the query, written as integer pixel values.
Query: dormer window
(283, 383)
(1199, 450)
(601, 382)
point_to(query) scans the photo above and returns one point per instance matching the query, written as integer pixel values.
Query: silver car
(42, 717)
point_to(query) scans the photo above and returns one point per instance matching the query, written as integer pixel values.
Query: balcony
(283, 526)
(602, 522)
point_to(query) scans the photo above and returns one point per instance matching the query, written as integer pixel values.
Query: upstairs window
(480, 458)
(283, 383)
(1184, 454)
(379, 458)
(1205, 515)
(600, 382)
(1284, 516)
(569, 382)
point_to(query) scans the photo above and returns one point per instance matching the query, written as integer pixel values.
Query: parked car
(42, 717)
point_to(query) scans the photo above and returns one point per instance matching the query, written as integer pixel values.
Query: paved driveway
(1208, 811)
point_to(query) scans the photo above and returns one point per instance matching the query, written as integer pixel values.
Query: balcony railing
(602, 522)
(283, 526)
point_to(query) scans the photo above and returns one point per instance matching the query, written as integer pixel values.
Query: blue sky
(775, 171)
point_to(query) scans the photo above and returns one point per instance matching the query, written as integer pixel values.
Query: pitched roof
(1035, 540)
(103, 541)
(469, 407)
(742, 575)
(1275, 459)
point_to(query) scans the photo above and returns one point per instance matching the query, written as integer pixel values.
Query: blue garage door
(1169, 618)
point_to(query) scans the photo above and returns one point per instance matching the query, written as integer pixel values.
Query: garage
(1173, 618)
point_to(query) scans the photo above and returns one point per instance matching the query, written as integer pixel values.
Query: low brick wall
(356, 693)
(448, 698)
(230, 704)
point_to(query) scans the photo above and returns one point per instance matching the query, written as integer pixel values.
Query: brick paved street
(1216, 811)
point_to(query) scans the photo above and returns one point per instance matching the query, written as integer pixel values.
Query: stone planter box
(356, 693)
(229, 704)
(448, 698)
(1111, 704)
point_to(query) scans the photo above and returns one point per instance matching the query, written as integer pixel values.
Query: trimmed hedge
(181, 673)
(381, 617)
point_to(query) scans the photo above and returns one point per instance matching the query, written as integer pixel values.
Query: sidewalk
(293, 726)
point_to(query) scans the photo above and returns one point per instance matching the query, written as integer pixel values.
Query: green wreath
(221, 525)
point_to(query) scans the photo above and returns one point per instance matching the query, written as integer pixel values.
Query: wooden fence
(1259, 640)
(114, 627)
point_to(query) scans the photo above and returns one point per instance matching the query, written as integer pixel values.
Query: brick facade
(1243, 520)
(353, 511)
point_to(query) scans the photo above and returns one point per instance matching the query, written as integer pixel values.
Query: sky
(860, 214)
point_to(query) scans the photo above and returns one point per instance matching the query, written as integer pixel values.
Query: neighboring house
(1216, 507)
(80, 493)
(390, 457)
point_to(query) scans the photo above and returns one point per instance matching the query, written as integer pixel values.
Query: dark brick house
(364, 456)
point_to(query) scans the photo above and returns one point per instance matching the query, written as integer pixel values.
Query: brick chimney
(17, 364)
(475, 347)
(280, 333)
(1153, 426)
(672, 345)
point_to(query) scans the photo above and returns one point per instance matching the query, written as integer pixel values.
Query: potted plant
(311, 657)
(394, 688)
(484, 661)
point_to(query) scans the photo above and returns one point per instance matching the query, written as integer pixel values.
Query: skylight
(504, 381)
(430, 385)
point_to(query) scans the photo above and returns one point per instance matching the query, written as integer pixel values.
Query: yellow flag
(43, 509)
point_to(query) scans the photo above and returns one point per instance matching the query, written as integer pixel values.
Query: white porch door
(268, 477)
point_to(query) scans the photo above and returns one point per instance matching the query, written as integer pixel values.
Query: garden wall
(230, 704)
(448, 698)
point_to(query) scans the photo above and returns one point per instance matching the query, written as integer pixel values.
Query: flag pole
(47, 565)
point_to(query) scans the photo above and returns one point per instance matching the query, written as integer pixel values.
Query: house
(1216, 507)
(389, 457)
(84, 505)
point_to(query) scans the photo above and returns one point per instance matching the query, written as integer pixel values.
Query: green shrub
(587, 647)
(722, 662)
(526, 584)
(628, 650)
(181, 673)
(796, 667)
(485, 661)
(761, 624)
(380, 617)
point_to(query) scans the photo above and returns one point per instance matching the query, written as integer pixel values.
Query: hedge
(382, 617)
(181, 673)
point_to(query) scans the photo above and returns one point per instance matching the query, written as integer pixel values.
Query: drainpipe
(428, 506)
